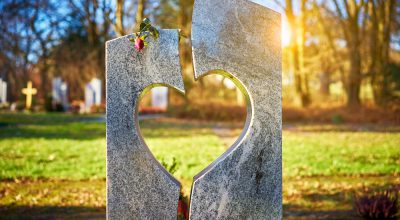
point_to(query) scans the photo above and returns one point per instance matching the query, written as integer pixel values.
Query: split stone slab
(138, 187)
(241, 40)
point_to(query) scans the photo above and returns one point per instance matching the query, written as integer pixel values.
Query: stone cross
(29, 91)
(238, 39)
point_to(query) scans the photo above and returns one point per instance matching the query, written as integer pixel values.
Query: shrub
(337, 119)
(98, 108)
(377, 205)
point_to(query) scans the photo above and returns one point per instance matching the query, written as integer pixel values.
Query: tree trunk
(354, 78)
(382, 21)
(139, 14)
(297, 40)
(325, 80)
(119, 18)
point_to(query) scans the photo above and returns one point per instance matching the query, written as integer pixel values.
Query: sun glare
(286, 32)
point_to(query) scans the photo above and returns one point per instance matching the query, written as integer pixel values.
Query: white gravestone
(60, 92)
(92, 93)
(3, 92)
(159, 97)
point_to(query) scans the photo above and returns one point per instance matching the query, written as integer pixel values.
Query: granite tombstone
(238, 39)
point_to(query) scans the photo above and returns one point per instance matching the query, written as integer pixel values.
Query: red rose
(183, 209)
(139, 44)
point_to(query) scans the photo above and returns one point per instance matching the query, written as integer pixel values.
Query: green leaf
(154, 32)
(146, 21)
(145, 24)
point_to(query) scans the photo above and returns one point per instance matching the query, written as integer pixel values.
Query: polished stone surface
(241, 39)
(138, 187)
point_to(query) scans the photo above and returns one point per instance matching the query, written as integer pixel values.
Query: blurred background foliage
(336, 52)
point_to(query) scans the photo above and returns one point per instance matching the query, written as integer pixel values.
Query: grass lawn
(55, 163)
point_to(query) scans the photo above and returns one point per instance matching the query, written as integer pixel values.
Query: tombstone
(159, 97)
(92, 94)
(3, 92)
(60, 92)
(242, 43)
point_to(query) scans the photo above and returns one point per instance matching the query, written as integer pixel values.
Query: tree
(296, 47)
(350, 15)
(46, 37)
(80, 52)
(28, 30)
(329, 52)
(126, 11)
(382, 17)
(15, 44)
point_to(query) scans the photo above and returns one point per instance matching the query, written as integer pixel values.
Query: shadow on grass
(313, 197)
(342, 127)
(76, 131)
(329, 197)
(46, 118)
(296, 212)
(64, 126)
(51, 126)
(89, 131)
(52, 212)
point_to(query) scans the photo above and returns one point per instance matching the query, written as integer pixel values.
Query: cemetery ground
(53, 165)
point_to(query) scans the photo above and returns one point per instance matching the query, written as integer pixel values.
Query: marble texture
(241, 40)
(138, 187)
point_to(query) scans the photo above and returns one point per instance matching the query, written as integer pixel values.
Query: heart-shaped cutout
(185, 147)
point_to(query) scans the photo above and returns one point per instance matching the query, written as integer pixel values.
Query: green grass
(58, 145)
(51, 146)
(340, 153)
(36, 146)
(65, 154)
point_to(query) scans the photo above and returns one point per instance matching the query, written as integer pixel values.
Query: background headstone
(92, 93)
(60, 92)
(159, 97)
(138, 187)
(3, 91)
(241, 40)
